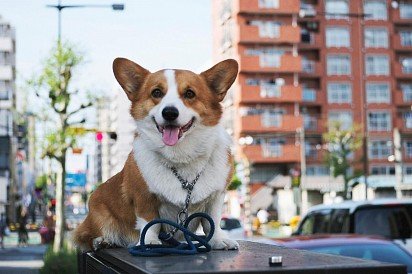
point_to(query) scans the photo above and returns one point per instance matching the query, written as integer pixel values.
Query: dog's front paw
(100, 243)
(223, 243)
(151, 241)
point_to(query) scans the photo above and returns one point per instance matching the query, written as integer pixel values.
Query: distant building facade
(7, 104)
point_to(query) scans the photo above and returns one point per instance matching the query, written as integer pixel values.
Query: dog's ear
(130, 76)
(221, 76)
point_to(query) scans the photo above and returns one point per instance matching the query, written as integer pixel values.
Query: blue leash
(173, 246)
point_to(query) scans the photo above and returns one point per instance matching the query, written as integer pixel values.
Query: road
(24, 260)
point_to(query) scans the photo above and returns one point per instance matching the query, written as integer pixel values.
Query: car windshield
(229, 224)
(389, 253)
(394, 222)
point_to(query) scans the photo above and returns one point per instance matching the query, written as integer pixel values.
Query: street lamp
(59, 7)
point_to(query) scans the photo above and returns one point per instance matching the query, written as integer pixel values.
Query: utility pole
(300, 193)
(398, 162)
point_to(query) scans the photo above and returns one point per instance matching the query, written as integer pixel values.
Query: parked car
(352, 245)
(233, 228)
(391, 219)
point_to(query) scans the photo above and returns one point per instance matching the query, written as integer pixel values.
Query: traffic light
(99, 136)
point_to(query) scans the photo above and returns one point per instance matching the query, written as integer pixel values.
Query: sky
(156, 34)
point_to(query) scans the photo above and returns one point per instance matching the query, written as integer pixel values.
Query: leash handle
(173, 246)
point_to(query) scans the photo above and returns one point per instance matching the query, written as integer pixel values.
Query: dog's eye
(157, 93)
(189, 94)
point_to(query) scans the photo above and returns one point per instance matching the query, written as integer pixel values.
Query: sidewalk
(23, 260)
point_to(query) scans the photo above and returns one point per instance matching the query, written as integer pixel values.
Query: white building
(113, 116)
(124, 126)
(7, 103)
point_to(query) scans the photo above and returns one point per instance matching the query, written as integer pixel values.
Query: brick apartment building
(306, 62)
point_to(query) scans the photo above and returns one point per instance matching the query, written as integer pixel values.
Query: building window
(310, 122)
(406, 38)
(406, 65)
(338, 65)
(408, 149)
(317, 170)
(407, 170)
(268, 57)
(269, 4)
(407, 92)
(343, 117)
(4, 90)
(382, 170)
(272, 118)
(376, 38)
(309, 95)
(377, 65)
(380, 149)
(337, 37)
(339, 93)
(336, 9)
(379, 121)
(5, 122)
(405, 9)
(407, 116)
(378, 93)
(310, 150)
(267, 29)
(269, 90)
(376, 9)
(308, 66)
(272, 147)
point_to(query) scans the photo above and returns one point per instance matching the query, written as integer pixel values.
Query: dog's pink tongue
(170, 135)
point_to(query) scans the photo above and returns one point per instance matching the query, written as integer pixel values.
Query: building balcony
(288, 153)
(266, 123)
(286, 63)
(253, 7)
(315, 156)
(397, 44)
(258, 94)
(402, 71)
(310, 41)
(286, 34)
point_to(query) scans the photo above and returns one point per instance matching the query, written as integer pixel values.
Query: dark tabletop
(250, 258)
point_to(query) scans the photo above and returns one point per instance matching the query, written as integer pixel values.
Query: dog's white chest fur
(214, 167)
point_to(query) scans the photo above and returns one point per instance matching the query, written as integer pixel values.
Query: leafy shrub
(63, 262)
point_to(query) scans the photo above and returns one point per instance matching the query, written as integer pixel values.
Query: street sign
(75, 180)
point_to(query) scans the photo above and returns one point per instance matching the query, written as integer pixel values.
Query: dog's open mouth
(172, 133)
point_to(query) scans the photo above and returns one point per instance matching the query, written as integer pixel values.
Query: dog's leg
(152, 235)
(219, 239)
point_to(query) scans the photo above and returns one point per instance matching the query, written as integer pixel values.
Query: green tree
(341, 143)
(62, 107)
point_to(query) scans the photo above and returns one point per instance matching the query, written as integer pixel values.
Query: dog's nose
(170, 113)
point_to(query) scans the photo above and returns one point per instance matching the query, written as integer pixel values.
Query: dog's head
(169, 104)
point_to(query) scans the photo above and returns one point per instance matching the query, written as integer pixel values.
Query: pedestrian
(23, 234)
(3, 228)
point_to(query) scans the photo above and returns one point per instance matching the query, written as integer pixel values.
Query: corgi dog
(178, 135)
